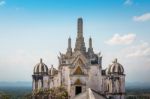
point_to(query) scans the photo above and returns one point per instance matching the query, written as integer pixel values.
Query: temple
(80, 72)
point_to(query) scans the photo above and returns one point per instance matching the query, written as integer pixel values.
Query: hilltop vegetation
(24, 92)
(4, 96)
(14, 92)
(54, 93)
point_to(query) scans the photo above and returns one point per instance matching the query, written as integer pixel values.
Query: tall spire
(69, 45)
(80, 45)
(90, 42)
(90, 49)
(80, 27)
(69, 49)
(40, 60)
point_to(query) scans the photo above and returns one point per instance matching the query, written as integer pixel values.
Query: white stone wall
(55, 81)
(66, 78)
(95, 78)
(39, 84)
(122, 78)
(104, 84)
(65, 75)
(110, 86)
(51, 83)
(45, 82)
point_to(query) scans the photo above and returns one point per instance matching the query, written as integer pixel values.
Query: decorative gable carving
(78, 82)
(80, 57)
(80, 62)
(78, 71)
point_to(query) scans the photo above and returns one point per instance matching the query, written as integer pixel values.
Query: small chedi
(79, 75)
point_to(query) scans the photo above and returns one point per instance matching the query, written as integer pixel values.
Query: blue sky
(34, 29)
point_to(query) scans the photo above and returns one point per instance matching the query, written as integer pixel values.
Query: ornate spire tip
(40, 60)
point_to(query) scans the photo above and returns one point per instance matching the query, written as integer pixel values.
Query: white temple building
(80, 72)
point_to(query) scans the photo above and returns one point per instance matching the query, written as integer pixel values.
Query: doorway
(78, 90)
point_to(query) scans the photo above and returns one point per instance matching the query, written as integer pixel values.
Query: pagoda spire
(90, 49)
(69, 49)
(90, 42)
(41, 60)
(80, 28)
(80, 44)
(69, 43)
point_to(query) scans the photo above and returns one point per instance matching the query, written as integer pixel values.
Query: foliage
(14, 92)
(54, 93)
(4, 96)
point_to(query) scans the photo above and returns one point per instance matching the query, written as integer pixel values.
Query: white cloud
(2, 3)
(121, 40)
(142, 18)
(142, 50)
(128, 2)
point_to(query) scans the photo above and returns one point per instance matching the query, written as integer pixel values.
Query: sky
(34, 29)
